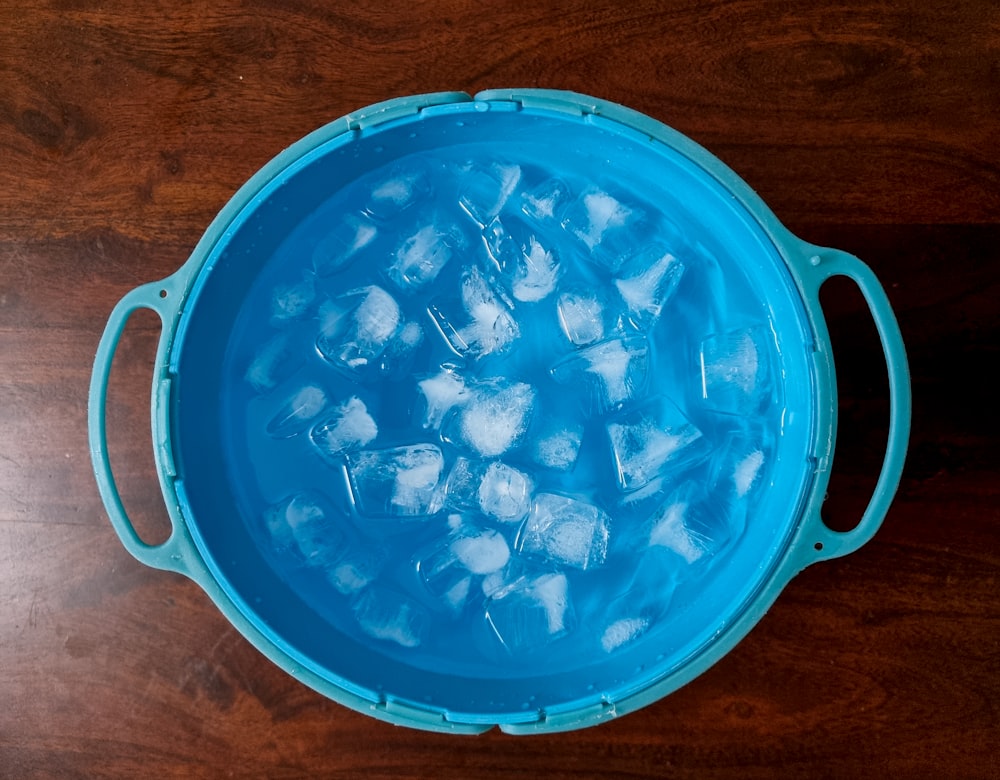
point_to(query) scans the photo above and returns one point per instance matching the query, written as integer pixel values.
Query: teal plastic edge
(179, 553)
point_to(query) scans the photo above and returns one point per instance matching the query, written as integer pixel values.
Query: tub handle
(162, 297)
(820, 264)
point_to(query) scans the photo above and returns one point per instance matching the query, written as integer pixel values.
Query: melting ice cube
(605, 225)
(400, 190)
(397, 482)
(651, 439)
(558, 449)
(357, 327)
(647, 281)
(616, 370)
(529, 613)
(397, 359)
(581, 316)
(623, 631)
(565, 530)
(531, 270)
(734, 371)
(390, 616)
(421, 256)
(481, 323)
(441, 393)
(291, 301)
(350, 426)
(494, 419)
(358, 566)
(694, 524)
(275, 361)
(504, 492)
(485, 188)
(306, 523)
(340, 246)
(298, 410)
(546, 201)
(467, 554)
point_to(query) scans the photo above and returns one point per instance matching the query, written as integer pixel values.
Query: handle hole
(862, 404)
(130, 441)
(818, 546)
(163, 293)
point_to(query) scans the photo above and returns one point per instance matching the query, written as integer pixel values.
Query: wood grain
(869, 126)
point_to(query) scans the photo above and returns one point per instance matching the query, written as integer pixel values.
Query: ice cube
(421, 256)
(340, 246)
(746, 472)
(397, 482)
(481, 551)
(358, 566)
(734, 371)
(349, 427)
(401, 189)
(647, 282)
(485, 188)
(567, 531)
(461, 488)
(441, 393)
(558, 449)
(466, 555)
(504, 492)
(581, 316)
(306, 523)
(537, 273)
(694, 523)
(623, 631)
(616, 370)
(545, 202)
(494, 419)
(390, 616)
(397, 359)
(481, 323)
(292, 300)
(528, 614)
(605, 225)
(298, 410)
(275, 361)
(356, 327)
(652, 439)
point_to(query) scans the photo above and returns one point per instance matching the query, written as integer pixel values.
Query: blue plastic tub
(515, 409)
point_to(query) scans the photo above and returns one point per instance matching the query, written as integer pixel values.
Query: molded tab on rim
(397, 108)
(428, 719)
(565, 718)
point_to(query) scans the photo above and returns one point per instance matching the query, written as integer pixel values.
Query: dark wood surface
(870, 126)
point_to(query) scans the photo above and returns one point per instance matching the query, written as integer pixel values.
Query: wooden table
(868, 126)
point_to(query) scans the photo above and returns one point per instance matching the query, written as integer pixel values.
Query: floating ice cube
(421, 256)
(694, 524)
(388, 615)
(531, 612)
(461, 487)
(345, 238)
(485, 187)
(275, 361)
(481, 552)
(545, 202)
(494, 419)
(441, 393)
(652, 439)
(397, 482)
(298, 410)
(469, 553)
(531, 269)
(356, 327)
(605, 225)
(581, 316)
(349, 427)
(306, 523)
(558, 449)
(746, 472)
(504, 492)
(615, 369)
(647, 282)
(481, 323)
(359, 565)
(503, 248)
(400, 190)
(623, 631)
(565, 530)
(734, 371)
(397, 359)
(292, 300)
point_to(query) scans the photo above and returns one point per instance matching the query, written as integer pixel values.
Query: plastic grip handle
(823, 264)
(159, 297)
